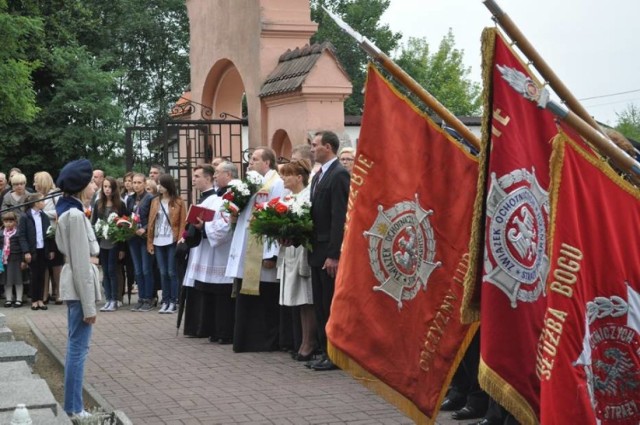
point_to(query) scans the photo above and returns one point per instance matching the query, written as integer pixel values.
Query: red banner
(395, 313)
(589, 349)
(509, 265)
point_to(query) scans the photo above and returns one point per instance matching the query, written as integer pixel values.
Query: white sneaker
(172, 308)
(164, 308)
(113, 306)
(81, 415)
(106, 306)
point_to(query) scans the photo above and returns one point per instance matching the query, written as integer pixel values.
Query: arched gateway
(255, 52)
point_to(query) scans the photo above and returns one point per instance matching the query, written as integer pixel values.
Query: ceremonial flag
(395, 320)
(589, 349)
(508, 253)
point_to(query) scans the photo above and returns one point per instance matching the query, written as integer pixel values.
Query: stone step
(39, 417)
(33, 393)
(6, 334)
(17, 350)
(15, 371)
(3, 320)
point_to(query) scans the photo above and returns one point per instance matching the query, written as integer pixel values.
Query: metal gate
(180, 145)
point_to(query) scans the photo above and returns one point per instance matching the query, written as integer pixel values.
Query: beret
(75, 176)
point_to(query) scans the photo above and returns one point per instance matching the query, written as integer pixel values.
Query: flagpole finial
(364, 42)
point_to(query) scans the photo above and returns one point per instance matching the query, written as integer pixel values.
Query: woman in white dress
(294, 270)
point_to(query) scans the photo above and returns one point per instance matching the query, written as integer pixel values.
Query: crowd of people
(236, 290)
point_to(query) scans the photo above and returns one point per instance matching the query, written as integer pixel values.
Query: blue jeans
(109, 263)
(142, 262)
(166, 258)
(77, 350)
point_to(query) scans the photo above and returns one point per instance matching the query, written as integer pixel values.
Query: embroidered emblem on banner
(524, 85)
(517, 211)
(611, 360)
(402, 250)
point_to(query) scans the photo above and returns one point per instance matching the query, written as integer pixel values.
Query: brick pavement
(137, 364)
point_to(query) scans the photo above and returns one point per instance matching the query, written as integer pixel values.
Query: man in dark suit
(329, 194)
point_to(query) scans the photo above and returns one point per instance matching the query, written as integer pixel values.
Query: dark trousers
(257, 323)
(464, 384)
(38, 267)
(323, 287)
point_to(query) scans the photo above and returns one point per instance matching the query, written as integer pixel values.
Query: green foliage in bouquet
(285, 221)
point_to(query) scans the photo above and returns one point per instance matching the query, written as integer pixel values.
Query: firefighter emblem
(611, 360)
(402, 250)
(517, 212)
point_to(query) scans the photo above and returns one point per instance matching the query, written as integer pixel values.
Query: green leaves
(364, 17)
(442, 73)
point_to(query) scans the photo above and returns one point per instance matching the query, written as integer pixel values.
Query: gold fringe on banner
(470, 308)
(506, 395)
(401, 402)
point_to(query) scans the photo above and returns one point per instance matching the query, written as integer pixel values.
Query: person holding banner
(329, 194)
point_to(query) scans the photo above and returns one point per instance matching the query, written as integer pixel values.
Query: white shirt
(163, 233)
(39, 235)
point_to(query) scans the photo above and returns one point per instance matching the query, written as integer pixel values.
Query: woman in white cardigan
(79, 281)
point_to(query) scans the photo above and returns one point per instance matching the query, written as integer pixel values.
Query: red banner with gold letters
(395, 322)
(589, 350)
(509, 259)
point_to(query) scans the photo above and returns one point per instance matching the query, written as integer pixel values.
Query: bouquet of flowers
(240, 192)
(115, 228)
(284, 220)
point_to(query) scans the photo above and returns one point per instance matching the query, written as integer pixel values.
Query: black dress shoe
(451, 404)
(312, 363)
(467, 412)
(324, 365)
(225, 341)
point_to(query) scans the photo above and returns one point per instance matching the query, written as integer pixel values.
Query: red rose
(260, 206)
(228, 196)
(273, 202)
(281, 208)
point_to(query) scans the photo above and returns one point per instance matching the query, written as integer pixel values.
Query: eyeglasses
(347, 159)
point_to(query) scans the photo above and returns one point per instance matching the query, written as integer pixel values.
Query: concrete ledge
(11, 351)
(33, 393)
(39, 417)
(6, 334)
(15, 371)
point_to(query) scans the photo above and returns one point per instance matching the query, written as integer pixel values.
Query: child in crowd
(32, 232)
(11, 259)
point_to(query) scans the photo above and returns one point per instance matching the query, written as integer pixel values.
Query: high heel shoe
(302, 358)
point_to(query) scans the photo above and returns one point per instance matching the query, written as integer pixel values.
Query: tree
(629, 122)
(442, 73)
(105, 65)
(364, 17)
(18, 34)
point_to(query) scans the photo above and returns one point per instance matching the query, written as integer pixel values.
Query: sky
(592, 46)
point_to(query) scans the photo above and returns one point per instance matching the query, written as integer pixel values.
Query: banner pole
(514, 33)
(412, 85)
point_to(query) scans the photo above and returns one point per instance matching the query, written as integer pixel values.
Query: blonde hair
(44, 180)
(347, 150)
(18, 178)
(151, 184)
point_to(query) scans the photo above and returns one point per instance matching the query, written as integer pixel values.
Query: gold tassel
(470, 307)
(506, 395)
